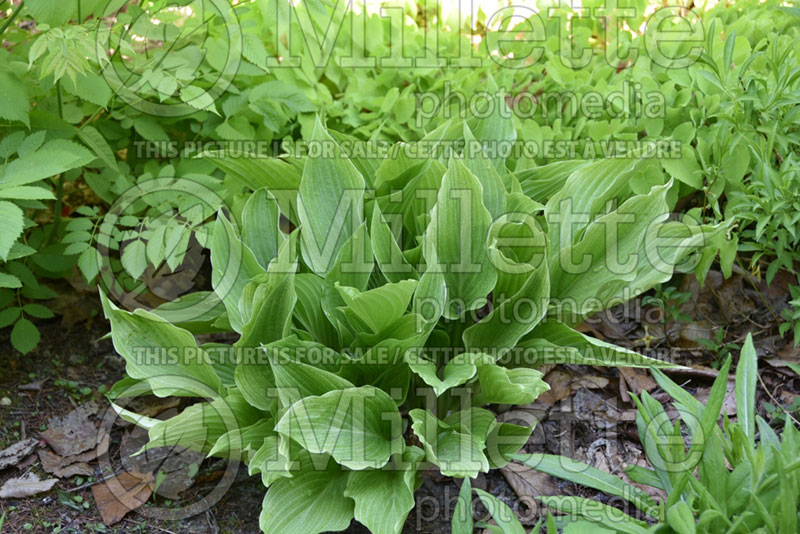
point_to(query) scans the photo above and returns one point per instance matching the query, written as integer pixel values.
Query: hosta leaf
(281, 178)
(310, 502)
(379, 307)
(585, 194)
(166, 356)
(247, 439)
(455, 241)
(233, 266)
(561, 344)
(330, 204)
(354, 263)
(273, 301)
(500, 385)
(359, 427)
(268, 461)
(497, 127)
(505, 440)
(296, 380)
(261, 226)
(388, 254)
(308, 310)
(383, 498)
(457, 453)
(513, 318)
(458, 371)
(621, 255)
(462, 516)
(494, 192)
(199, 426)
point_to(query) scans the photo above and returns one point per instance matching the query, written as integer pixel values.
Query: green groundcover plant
(123, 92)
(412, 293)
(720, 481)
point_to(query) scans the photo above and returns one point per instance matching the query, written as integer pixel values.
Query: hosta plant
(412, 294)
(721, 481)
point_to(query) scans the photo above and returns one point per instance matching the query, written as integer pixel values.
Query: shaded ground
(588, 415)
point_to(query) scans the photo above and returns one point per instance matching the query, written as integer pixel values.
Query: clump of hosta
(416, 293)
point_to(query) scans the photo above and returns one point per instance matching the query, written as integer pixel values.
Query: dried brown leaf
(121, 494)
(14, 454)
(26, 486)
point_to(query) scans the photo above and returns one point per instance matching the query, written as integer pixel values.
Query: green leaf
(8, 316)
(330, 204)
(134, 258)
(54, 157)
(271, 318)
(261, 226)
(500, 385)
(233, 265)
(558, 343)
(10, 226)
(596, 512)
(89, 263)
(746, 376)
(388, 254)
(198, 98)
(455, 241)
(166, 356)
(38, 310)
(509, 321)
(50, 12)
(201, 425)
(457, 452)
(15, 99)
(681, 518)
(458, 370)
(354, 263)
(240, 442)
(383, 498)
(494, 192)
(501, 513)
(310, 502)
(25, 336)
(10, 281)
(296, 380)
(686, 169)
(586, 475)
(282, 179)
(359, 427)
(462, 515)
(92, 138)
(26, 192)
(379, 307)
